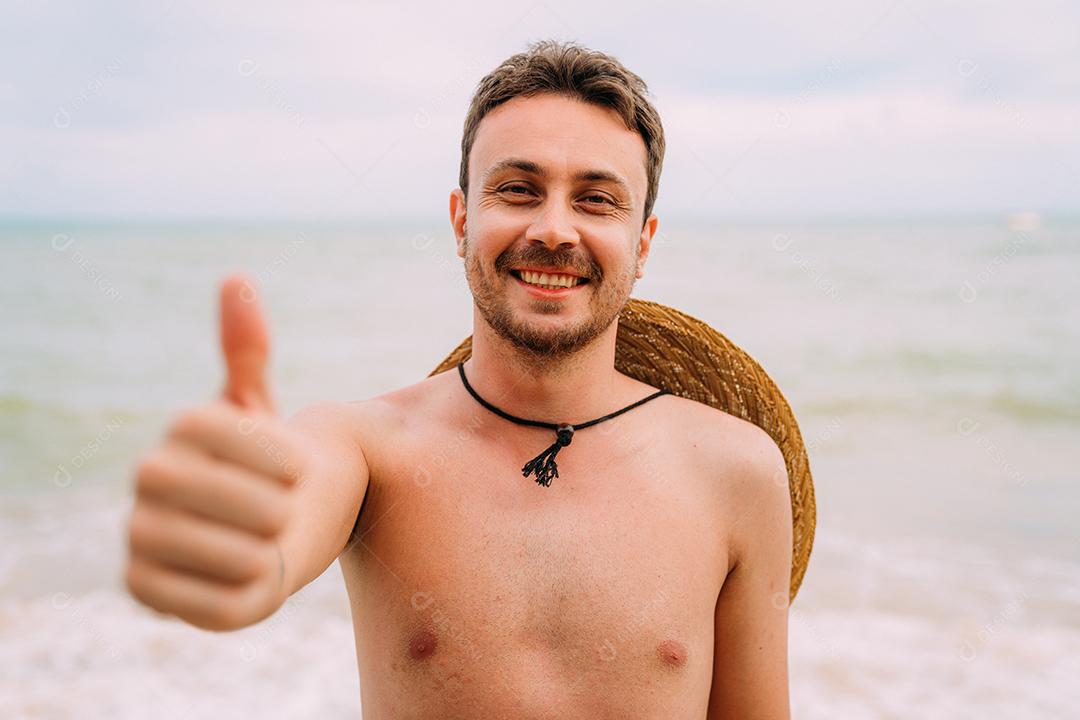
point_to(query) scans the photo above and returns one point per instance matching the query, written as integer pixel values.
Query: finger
(245, 342)
(202, 547)
(201, 602)
(260, 444)
(183, 477)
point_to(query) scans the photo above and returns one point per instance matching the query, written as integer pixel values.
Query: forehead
(562, 135)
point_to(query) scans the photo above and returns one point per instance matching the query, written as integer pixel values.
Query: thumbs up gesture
(214, 497)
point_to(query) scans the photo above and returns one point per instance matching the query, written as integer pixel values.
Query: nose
(554, 226)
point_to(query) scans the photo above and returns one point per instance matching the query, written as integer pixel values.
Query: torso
(476, 592)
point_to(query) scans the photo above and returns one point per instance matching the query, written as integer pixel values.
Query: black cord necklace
(543, 465)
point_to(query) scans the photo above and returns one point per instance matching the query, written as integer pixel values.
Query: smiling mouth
(548, 281)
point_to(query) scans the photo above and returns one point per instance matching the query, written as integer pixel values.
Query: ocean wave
(64, 653)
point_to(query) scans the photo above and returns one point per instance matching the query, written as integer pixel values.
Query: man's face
(554, 184)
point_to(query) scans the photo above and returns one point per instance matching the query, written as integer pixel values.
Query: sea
(933, 365)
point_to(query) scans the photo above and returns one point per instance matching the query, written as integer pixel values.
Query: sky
(354, 111)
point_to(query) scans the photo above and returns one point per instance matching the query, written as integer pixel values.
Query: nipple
(672, 653)
(422, 644)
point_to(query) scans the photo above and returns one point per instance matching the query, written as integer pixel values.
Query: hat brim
(671, 350)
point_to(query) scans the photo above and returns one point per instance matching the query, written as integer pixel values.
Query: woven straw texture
(671, 350)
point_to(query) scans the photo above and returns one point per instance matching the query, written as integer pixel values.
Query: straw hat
(670, 350)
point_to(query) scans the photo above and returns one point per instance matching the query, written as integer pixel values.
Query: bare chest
(474, 590)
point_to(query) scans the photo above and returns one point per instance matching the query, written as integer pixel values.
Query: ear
(457, 219)
(647, 234)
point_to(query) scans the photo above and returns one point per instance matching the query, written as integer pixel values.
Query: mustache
(567, 259)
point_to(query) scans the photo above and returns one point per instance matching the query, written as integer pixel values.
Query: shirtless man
(649, 580)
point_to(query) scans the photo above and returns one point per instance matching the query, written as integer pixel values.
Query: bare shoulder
(334, 421)
(724, 437)
(393, 409)
(371, 422)
(745, 467)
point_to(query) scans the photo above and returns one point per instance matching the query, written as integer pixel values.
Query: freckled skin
(422, 645)
(672, 652)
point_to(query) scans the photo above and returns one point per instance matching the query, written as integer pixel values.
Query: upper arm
(328, 493)
(750, 671)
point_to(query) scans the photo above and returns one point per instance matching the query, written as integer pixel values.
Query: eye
(511, 188)
(601, 198)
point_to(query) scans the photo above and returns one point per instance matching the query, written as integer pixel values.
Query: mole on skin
(422, 645)
(672, 652)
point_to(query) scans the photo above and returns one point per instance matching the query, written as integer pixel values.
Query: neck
(574, 388)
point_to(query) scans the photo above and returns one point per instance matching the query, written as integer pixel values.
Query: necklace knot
(543, 465)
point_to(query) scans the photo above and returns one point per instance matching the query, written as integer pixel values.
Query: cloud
(356, 110)
(885, 152)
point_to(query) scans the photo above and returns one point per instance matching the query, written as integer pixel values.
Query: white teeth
(549, 281)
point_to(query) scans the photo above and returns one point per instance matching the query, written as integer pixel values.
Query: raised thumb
(245, 343)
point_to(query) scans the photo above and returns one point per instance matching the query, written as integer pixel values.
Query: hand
(214, 497)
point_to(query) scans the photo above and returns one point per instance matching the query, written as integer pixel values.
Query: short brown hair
(566, 68)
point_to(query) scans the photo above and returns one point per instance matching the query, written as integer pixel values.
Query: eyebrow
(528, 166)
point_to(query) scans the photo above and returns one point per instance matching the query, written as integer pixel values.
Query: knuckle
(228, 612)
(165, 471)
(139, 528)
(137, 582)
(254, 600)
(130, 580)
(190, 422)
(260, 561)
(184, 422)
(301, 462)
(275, 515)
(279, 451)
(148, 470)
